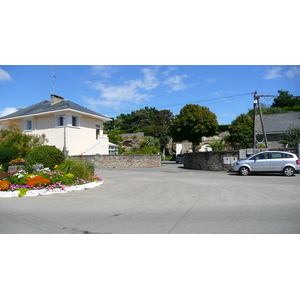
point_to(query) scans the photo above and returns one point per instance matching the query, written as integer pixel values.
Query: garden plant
(48, 179)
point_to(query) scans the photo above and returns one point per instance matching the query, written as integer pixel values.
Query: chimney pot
(56, 99)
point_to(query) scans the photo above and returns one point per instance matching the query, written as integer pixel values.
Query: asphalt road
(167, 199)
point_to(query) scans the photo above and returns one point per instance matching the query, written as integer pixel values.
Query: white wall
(79, 140)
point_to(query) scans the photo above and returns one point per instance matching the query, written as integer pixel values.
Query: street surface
(167, 199)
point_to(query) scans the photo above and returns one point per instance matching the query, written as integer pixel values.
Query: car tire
(289, 171)
(244, 171)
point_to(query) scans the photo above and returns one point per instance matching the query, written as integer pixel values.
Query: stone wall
(221, 160)
(210, 161)
(122, 161)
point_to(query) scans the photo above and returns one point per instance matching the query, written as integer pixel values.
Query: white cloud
(293, 72)
(217, 93)
(4, 76)
(169, 69)
(275, 72)
(210, 80)
(104, 71)
(132, 91)
(175, 83)
(7, 111)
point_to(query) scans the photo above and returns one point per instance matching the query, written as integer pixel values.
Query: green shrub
(76, 167)
(49, 156)
(90, 166)
(6, 155)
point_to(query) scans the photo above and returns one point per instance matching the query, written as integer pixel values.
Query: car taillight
(297, 162)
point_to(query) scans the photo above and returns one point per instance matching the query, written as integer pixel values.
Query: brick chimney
(55, 99)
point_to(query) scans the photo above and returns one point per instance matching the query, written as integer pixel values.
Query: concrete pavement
(167, 199)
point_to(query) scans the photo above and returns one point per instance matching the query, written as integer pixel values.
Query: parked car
(269, 161)
(179, 158)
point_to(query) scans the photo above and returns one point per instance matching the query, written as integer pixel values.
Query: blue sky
(114, 89)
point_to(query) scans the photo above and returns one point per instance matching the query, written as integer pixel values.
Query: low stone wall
(211, 160)
(122, 161)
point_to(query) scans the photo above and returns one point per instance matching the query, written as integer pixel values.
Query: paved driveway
(168, 199)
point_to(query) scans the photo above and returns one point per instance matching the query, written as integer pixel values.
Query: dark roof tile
(46, 106)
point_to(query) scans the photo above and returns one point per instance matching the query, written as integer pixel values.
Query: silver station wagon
(269, 161)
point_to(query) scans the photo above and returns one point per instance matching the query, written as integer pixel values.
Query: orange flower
(4, 185)
(37, 181)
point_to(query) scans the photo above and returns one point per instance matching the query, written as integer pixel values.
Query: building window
(28, 125)
(97, 131)
(74, 121)
(59, 121)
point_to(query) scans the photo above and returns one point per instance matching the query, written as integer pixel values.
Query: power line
(264, 78)
(222, 99)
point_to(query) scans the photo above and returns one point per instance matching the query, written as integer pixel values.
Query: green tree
(116, 138)
(161, 129)
(110, 125)
(13, 138)
(286, 101)
(241, 131)
(139, 120)
(192, 123)
(292, 136)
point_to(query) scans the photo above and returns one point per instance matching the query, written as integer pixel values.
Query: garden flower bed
(44, 182)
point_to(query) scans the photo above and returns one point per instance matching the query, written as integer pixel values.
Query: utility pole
(257, 105)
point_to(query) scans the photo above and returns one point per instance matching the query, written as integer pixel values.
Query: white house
(68, 126)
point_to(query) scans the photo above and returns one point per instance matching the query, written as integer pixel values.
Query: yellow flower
(56, 166)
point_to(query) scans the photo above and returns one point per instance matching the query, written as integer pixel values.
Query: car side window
(260, 156)
(277, 155)
(286, 155)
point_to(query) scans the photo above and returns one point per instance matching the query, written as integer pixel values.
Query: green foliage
(19, 177)
(286, 101)
(22, 192)
(192, 123)
(90, 166)
(241, 132)
(271, 110)
(110, 125)
(6, 155)
(77, 167)
(14, 139)
(149, 145)
(49, 156)
(139, 120)
(161, 128)
(56, 176)
(116, 138)
(218, 145)
(222, 128)
(292, 136)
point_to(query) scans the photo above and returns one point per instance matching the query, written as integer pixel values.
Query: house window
(59, 121)
(97, 131)
(28, 125)
(74, 121)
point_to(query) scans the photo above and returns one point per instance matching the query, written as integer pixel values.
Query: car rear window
(275, 155)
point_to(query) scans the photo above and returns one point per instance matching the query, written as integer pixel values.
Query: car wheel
(244, 171)
(289, 171)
